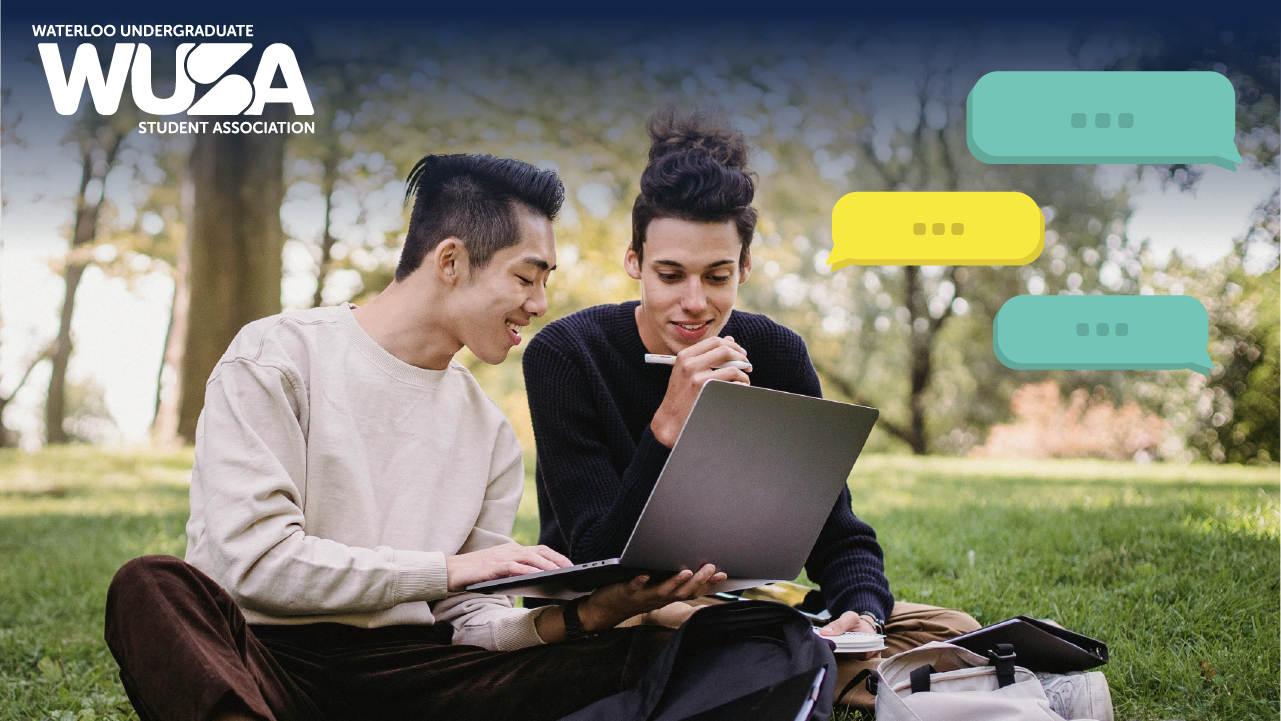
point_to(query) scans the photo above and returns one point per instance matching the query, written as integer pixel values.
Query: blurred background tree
(235, 250)
(98, 141)
(1236, 418)
(8, 137)
(829, 110)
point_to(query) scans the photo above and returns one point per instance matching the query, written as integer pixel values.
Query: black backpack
(741, 661)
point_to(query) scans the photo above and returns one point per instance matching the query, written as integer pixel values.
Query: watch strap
(877, 622)
(573, 624)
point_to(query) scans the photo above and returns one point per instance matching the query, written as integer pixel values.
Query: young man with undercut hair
(351, 479)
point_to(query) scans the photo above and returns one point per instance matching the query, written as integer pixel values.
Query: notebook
(855, 642)
(1040, 646)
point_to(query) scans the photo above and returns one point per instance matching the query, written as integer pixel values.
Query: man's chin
(491, 355)
(674, 347)
(494, 358)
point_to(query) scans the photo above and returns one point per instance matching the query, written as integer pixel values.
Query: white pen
(667, 360)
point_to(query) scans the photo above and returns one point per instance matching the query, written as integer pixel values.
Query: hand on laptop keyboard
(509, 559)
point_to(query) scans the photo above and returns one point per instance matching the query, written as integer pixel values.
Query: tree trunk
(919, 361)
(164, 427)
(8, 438)
(55, 410)
(235, 251)
(103, 142)
(326, 238)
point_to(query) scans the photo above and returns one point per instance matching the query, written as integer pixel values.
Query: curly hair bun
(697, 166)
(671, 132)
(697, 172)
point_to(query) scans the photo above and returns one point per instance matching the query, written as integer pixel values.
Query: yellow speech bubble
(998, 228)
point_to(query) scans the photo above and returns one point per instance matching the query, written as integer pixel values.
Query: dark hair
(473, 198)
(697, 172)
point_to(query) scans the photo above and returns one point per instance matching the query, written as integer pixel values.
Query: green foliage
(825, 119)
(1247, 337)
(829, 110)
(1232, 415)
(88, 419)
(1247, 55)
(1175, 567)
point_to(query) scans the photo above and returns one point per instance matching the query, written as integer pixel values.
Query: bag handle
(872, 684)
(920, 677)
(1003, 658)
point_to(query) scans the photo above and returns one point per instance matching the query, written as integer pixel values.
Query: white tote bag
(972, 688)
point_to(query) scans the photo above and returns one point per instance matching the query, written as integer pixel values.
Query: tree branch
(881, 168)
(850, 392)
(44, 354)
(949, 163)
(936, 323)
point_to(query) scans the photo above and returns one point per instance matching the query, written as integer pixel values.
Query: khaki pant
(910, 625)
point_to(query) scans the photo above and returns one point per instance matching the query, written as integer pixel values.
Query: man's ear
(449, 260)
(745, 270)
(631, 263)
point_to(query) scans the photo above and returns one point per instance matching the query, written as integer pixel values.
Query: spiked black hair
(473, 198)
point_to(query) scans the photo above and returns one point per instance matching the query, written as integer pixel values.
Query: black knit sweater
(591, 398)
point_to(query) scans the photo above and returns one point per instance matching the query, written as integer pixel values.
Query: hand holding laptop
(693, 367)
(610, 605)
(607, 607)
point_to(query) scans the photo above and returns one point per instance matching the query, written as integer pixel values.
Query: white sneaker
(1078, 695)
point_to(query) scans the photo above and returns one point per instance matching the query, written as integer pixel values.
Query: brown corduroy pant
(186, 652)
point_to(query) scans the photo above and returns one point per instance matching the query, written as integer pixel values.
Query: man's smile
(513, 329)
(691, 330)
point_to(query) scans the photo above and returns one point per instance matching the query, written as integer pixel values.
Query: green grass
(1175, 567)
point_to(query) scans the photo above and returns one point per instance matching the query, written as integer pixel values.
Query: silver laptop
(748, 486)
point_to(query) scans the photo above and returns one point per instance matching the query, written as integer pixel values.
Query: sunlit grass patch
(83, 479)
(1176, 567)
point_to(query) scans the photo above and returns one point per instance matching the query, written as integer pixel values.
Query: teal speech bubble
(1103, 117)
(1128, 332)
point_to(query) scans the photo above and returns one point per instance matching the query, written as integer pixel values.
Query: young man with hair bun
(605, 420)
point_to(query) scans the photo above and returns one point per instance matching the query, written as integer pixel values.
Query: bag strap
(920, 677)
(873, 682)
(1003, 658)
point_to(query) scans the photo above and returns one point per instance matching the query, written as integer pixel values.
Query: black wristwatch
(877, 622)
(573, 624)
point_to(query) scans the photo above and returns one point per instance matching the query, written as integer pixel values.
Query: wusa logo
(204, 63)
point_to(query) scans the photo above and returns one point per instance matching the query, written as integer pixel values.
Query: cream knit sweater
(331, 480)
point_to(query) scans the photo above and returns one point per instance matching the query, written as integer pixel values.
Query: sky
(119, 328)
